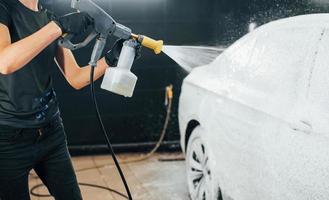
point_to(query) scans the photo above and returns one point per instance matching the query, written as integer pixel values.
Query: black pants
(45, 151)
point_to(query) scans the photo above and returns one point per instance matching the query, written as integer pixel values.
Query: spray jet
(119, 80)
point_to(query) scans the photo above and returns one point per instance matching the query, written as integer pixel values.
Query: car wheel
(199, 177)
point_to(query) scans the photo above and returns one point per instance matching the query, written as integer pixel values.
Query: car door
(309, 151)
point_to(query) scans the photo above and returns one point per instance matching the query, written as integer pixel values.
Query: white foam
(263, 106)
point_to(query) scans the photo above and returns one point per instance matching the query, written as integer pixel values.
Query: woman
(31, 130)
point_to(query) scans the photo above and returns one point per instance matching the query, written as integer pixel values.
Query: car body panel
(255, 104)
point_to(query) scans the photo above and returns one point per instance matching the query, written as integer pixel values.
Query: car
(254, 122)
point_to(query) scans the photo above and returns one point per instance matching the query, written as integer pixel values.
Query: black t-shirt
(27, 97)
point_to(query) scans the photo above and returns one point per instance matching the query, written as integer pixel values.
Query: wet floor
(161, 177)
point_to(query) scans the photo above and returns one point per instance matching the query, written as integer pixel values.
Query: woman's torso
(27, 98)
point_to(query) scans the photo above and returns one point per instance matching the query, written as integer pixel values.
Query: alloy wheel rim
(198, 171)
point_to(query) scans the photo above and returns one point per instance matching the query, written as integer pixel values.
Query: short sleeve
(4, 14)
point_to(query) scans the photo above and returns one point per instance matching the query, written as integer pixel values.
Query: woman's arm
(78, 77)
(13, 56)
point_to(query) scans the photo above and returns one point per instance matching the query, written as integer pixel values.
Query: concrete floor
(148, 180)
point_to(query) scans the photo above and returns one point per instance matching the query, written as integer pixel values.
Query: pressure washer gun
(120, 79)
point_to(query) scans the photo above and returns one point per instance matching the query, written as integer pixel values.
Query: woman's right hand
(74, 23)
(112, 56)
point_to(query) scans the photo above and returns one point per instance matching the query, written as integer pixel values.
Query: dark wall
(234, 16)
(177, 22)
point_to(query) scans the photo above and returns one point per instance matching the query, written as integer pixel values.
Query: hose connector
(169, 94)
(155, 45)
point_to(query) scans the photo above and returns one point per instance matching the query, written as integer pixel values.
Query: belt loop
(39, 135)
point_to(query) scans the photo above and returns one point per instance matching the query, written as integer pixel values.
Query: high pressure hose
(81, 184)
(168, 103)
(108, 142)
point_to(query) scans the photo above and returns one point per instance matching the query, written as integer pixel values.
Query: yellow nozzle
(153, 44)
(149, 43)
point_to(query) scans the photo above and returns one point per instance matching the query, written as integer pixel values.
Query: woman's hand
(112, 56)
(74, 23)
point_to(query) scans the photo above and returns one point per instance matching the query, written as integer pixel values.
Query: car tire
(199, 176)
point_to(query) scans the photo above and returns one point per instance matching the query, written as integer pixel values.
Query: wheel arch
(189, 129)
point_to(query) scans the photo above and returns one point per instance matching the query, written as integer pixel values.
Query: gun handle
(65, 41)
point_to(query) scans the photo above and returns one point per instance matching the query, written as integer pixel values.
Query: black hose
(82, 184)
(169, 98)
(93, 94)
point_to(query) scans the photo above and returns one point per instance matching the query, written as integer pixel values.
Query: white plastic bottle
(120, 79)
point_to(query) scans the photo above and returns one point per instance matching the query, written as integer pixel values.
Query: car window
(266, 69)
(277, 62)
(268, 61)
(235, 58)
(240, 53)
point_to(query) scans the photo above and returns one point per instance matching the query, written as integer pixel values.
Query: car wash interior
(135, 122)
(152, 132)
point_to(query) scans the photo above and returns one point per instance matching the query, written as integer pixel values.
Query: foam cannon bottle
(120, 79)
